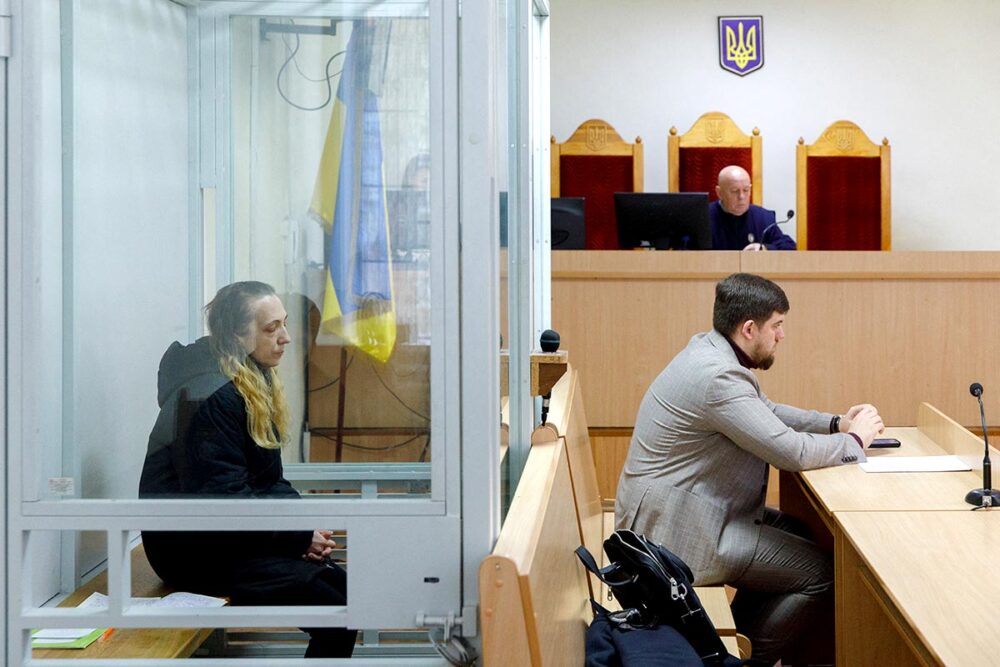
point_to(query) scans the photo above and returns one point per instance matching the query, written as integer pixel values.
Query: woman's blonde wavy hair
(231, 316)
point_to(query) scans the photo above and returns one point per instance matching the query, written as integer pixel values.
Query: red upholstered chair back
(700, 167)
(843, 191)
(595, 163)
(597, 179)
(695, 158)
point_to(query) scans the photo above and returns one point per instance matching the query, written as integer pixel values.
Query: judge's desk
(914, 574)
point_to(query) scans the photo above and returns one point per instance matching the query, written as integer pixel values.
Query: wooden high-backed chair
(843, 191)
(695, 158)
(594, 163)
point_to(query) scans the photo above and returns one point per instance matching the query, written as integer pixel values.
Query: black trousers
(290, 581)
(187, 561)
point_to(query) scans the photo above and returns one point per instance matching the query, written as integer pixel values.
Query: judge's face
(765, 340)
(268, 332)
(734, 191)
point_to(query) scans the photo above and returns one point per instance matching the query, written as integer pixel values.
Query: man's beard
(766, 362)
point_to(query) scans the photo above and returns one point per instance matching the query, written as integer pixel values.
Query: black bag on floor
(654, 587)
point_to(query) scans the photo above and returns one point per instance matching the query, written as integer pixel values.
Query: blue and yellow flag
(349, 197)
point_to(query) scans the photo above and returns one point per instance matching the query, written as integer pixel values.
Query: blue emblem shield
(741, 44)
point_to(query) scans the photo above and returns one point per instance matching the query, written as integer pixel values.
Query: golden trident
(743, 51)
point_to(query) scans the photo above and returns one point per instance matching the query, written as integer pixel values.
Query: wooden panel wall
(892, 328)
(623, 315)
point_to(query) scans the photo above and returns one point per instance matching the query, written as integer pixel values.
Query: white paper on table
(185, 599)
(947, 463)
(52, 635)
(180, 599)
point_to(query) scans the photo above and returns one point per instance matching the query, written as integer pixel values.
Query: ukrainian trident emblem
(741, 44)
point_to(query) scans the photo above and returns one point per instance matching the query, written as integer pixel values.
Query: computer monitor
(568, 227)
(663, 220)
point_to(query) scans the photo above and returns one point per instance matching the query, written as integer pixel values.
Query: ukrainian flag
(349, 198)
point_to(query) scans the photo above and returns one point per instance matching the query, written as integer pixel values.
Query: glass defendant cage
(347, 153)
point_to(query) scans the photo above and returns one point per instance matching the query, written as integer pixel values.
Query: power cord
(292, 59)
(457, 650)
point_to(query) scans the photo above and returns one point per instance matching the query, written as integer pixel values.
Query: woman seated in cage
(223, 419)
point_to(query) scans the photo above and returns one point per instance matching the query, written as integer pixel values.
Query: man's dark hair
(744, 296)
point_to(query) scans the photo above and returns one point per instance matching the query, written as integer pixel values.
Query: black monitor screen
(568, 230)
(663, 220)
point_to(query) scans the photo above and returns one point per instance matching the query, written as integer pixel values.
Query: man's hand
(864, 421)
(755, 246)
(847, 420)
(321, 547)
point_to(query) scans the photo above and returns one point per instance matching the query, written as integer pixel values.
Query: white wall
(921, 74)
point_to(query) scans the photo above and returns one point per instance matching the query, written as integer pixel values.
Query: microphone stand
(763, 234)
(549, 343)
(986, 496)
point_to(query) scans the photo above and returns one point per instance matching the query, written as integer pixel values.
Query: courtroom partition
(890, 328)
(534, 605)
(568, 420)
(533, 590)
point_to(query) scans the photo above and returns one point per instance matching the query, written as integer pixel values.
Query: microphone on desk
(549, 342)
(986, 496)
(763, 234)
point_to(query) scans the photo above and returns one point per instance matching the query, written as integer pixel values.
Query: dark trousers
(289, 581)
(788, 585)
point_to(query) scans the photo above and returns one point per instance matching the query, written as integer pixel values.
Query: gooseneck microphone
(763, 234)
(986, 496)
(549, 342)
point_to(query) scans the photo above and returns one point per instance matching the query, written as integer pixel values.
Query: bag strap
(588, 562)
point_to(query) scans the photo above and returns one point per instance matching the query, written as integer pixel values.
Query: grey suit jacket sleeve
(798, 419)
(735, 409)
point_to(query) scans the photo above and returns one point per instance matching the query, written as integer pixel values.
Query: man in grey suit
(695, 477)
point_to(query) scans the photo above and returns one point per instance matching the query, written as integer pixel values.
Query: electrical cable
(387, 448)
(395, 395)
(333, 381)
(292, 59)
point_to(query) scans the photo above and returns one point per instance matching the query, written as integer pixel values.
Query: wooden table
(148, 643)
(919, 588)
(851, 489)
(891, 533)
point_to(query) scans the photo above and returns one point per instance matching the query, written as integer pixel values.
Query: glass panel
(127, 280)
(516, 266)
(503, 212)
(331, 204)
